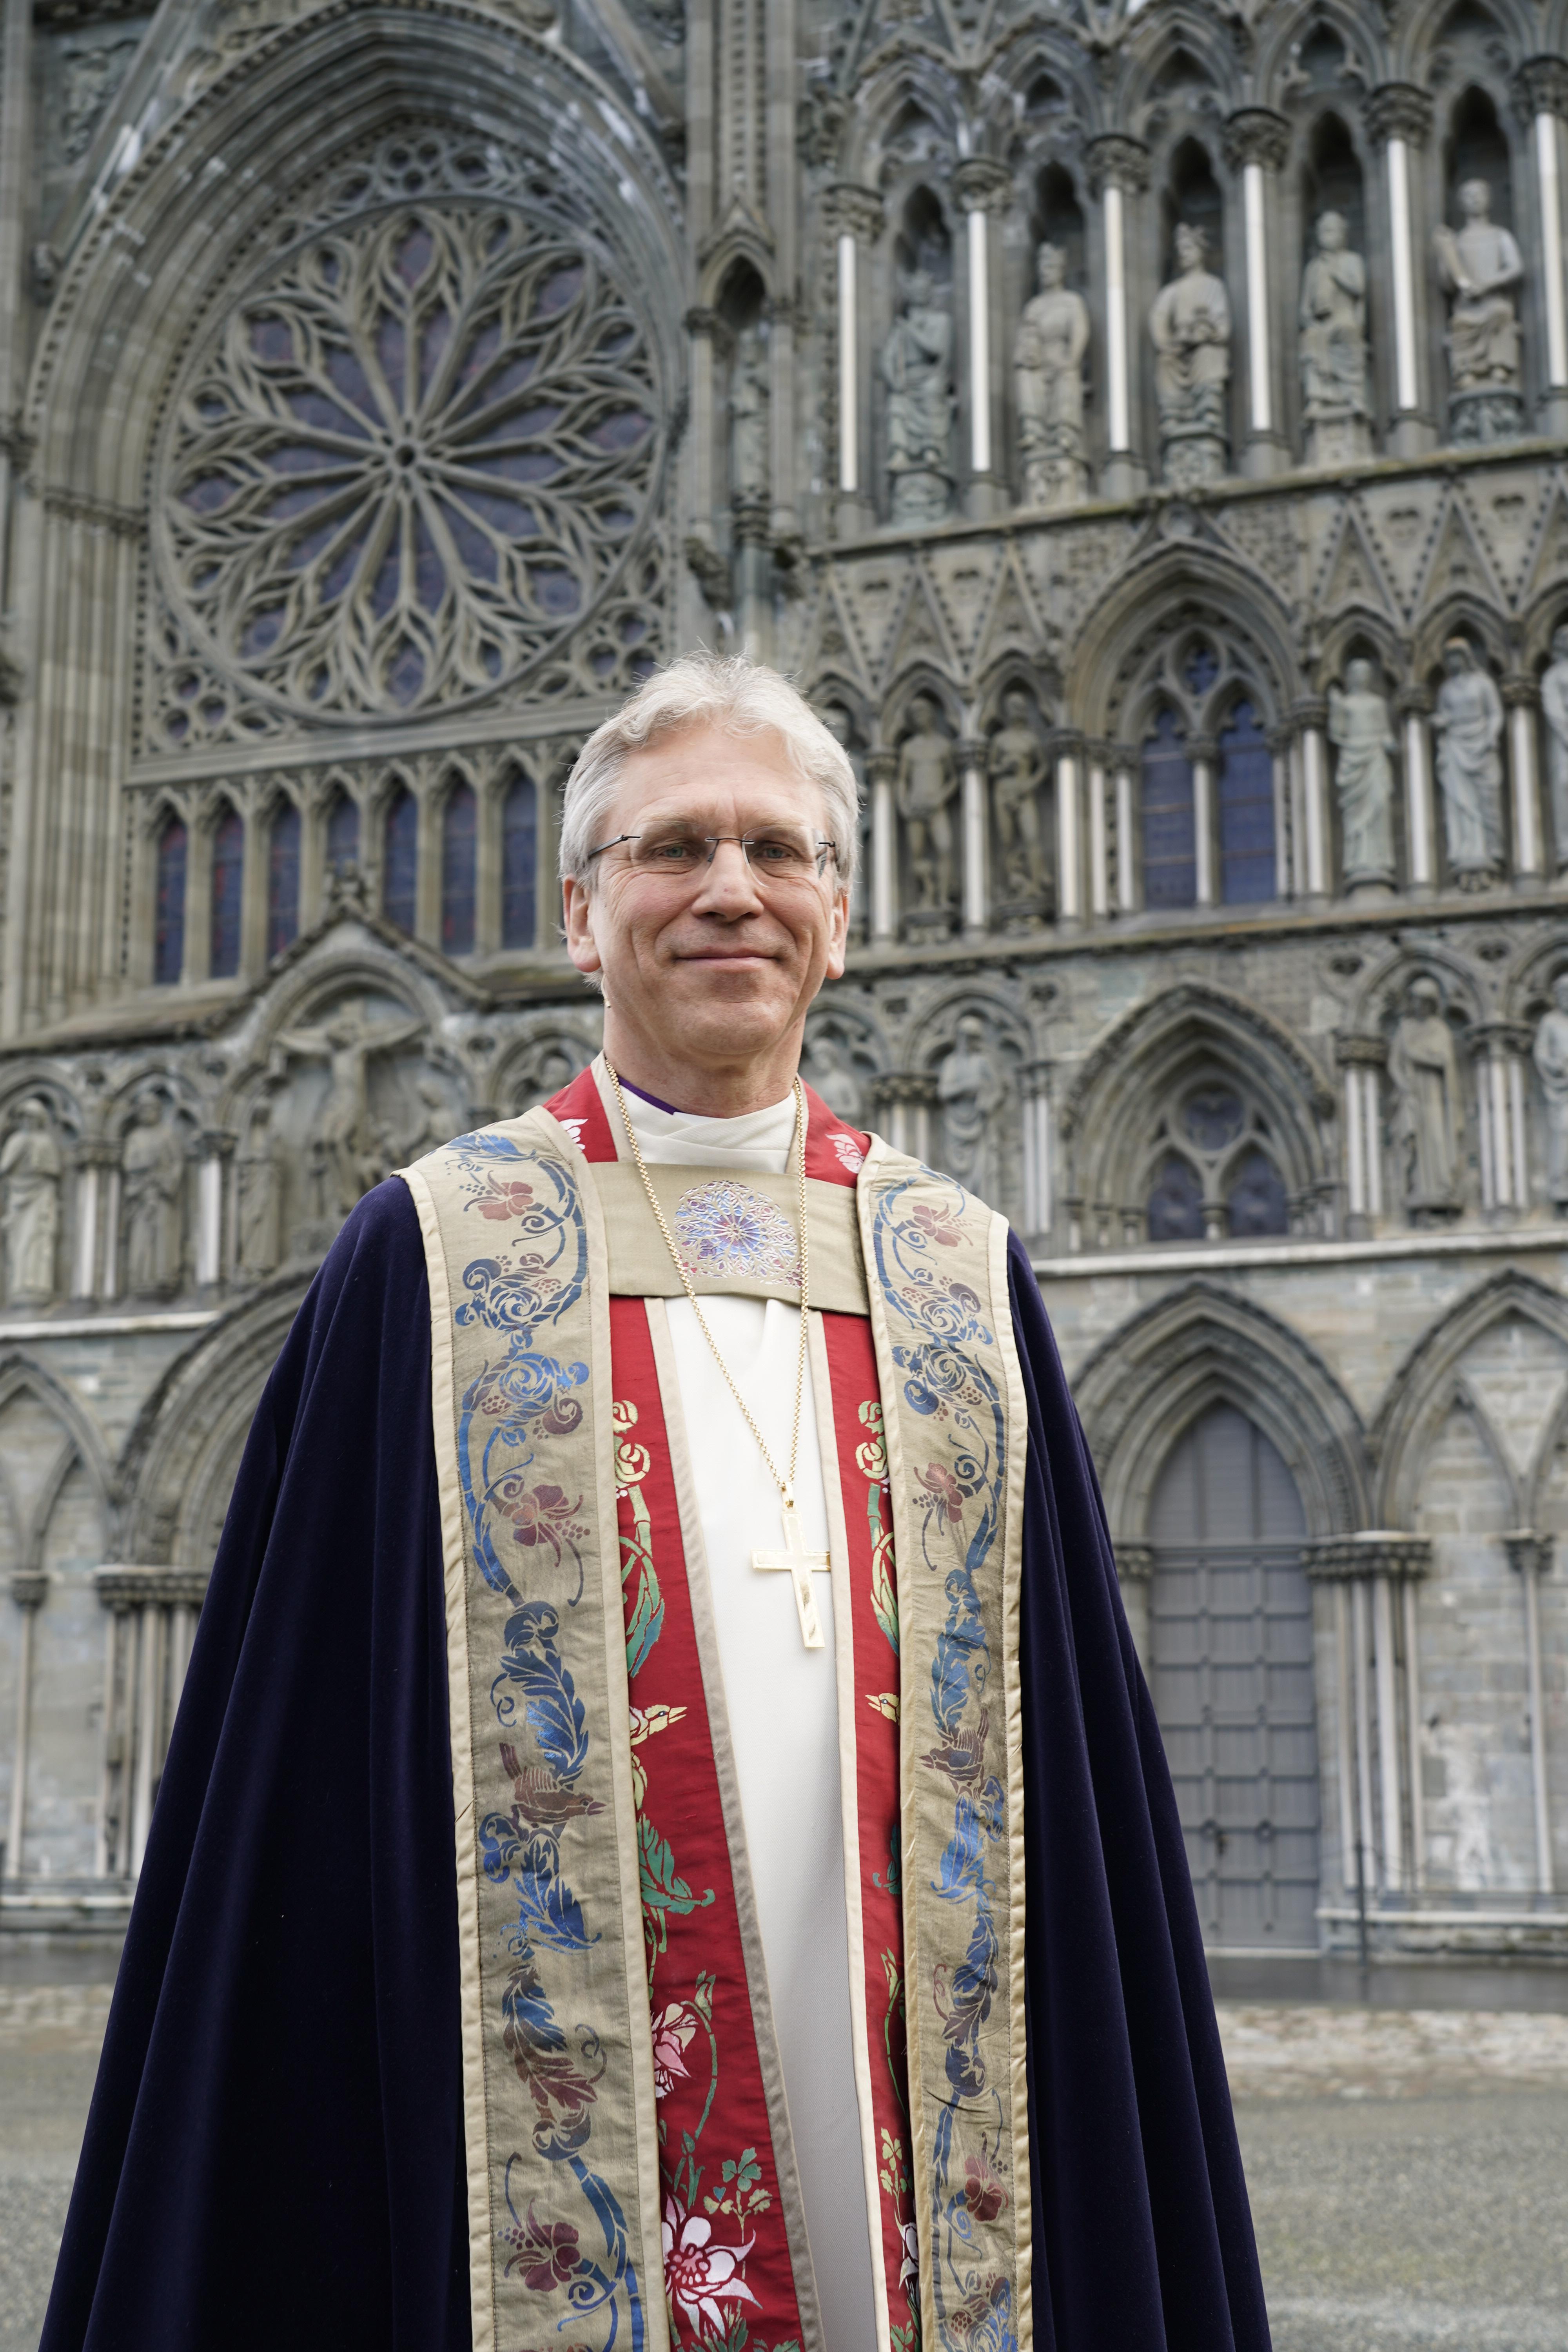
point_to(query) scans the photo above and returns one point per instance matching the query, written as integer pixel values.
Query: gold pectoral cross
(795, 1561)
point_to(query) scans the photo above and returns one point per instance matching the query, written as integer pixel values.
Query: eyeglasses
(777, 859)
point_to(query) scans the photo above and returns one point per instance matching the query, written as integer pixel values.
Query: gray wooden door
(1231, 1642)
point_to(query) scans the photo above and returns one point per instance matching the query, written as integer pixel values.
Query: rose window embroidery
(413, 462)
(724, 1228)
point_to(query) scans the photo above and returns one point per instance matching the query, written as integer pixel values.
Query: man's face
(720, 965)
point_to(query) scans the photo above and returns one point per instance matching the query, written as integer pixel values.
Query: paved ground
(1408, 2168)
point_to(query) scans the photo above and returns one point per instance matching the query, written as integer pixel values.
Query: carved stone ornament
(1190, 328)
(412, 460)
(1257, 135)
(1374, 1551)
(1399, 110)
(1117, 162)
(1480, 267)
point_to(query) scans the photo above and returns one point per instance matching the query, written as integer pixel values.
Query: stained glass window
(400, 872)
(519, 863)
(1176, 1202)
(228, 886)
(1170, 863)
(458, 825)
(1256, 1201)
(1245, 798)
(169, 933)
(343, 834)
(283, 880)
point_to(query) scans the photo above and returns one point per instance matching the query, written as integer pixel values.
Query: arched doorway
(1231, 1667)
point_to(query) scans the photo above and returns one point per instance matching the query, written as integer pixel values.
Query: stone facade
(1142, 431)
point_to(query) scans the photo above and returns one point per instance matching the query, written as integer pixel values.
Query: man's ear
(838, 937)
(577, 907)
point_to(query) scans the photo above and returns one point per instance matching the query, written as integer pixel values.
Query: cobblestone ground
(1408, 2168)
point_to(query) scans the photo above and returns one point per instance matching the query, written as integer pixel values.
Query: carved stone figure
(1469, 724)
(355, 1149)
(1550, 1057)
(1335, 411)
(831, 1071)
(433, 1122)
(1361, 730)
(1479, 265)
(1048, 376)
(258, 1238)
(750, 395)
(972, 1091)
(31, 1173)
(1190, 328)
(1019, 770)
(926, 781)
(916, 368)
(1554, 711)
(542, 1079)
(152, 1181)
(1428, 1121)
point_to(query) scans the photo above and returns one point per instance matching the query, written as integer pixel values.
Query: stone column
(1413, 704)
(213, 1225)
(1067, 749)
(487, 864)
(147, 1652)
(1035, 1080)
(1379, 1704)
(905, 1099)
(1311, 718)
(881, 767)
(854, 219)
(1119, 172)
(1135, 1575)
(984, 189)
(1202, 750)
(1256, 145)
(1498, 1049)
(28, 1587)
(93, 1163)
(1284, 815)
(1126, 847)
(1362, 1060)
(1097, 756)
(1520, 695)
(1530, 1556)
(1400, 115)
(1540, 95)
(197, 960)
(975, 822)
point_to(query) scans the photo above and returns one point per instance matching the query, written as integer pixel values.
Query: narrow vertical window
(228, 886)
(1170, 862)
(343, 834)
(401, 869)
(519, 863)
(283, 880)
(459, 821)
(169, 921)
(1246, 797)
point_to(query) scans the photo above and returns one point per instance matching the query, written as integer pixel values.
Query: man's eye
(672, 853)
(775, 853)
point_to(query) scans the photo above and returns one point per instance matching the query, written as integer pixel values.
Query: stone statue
(1479, 265)
(554, 1070)
(831, 1071)
(750, 396)
(1554, 711)
(258, 1209)
(916, 368)
(1335, 411)
(153, 1182)
(1428, 1122)
(433, 1123)
(355, 1148)
(1362, 730)
(1550, 1057)
(31, 1173)
(972, 1091)
(926, 781)
(1048, 377)
(1469, 724)
(1190, 327)
(1019, 770)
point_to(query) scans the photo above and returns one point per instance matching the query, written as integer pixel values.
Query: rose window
(413, 462)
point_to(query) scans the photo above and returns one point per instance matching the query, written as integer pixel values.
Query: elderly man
(666, 1842)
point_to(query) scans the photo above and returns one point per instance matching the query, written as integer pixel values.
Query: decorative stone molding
(1134, 1562)
(28, 1587)
(74, 505)
(1354, 1049)
(1541, 86)
(1398, 110)
(1116, 161)
(1529, 1553)
(982, 185)
(1372, 1551)
(121, 1588)
(1255, 134)
(848, 208)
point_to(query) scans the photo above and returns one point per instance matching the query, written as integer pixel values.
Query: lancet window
(1244, 799)
(1170, 845)
(169, 919)
(228, 894)
(400, 866)
(1213, 1172)
(283, 880)
(459, 845)
(343, 834)
(519, 862)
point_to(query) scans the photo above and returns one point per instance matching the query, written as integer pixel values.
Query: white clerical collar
(759, 1140)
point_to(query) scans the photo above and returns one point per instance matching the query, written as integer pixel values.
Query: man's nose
(728, 885)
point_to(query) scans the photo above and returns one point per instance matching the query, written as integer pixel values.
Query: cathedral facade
(1143, 432)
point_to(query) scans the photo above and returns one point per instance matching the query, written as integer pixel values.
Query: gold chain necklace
(795, 1559)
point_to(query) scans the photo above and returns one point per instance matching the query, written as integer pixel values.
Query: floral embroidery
(871, 1459)
(938, 1224)
(985, 2192)
(700, 2275)
(724, 1228)
(851, 1159)
(673, 2030)
(645, 1614)
(546, 2253)
(884, 1702)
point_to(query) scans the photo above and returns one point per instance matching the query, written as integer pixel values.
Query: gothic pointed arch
(1204, 1345)
(1178, 590)
(1424, 1389)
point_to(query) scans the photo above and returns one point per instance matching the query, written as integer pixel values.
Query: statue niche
(1554, 711)
(1020, 771)
(31, 1170)
(1361, 729)
(1428, 1123)
(927, 782)
(1468, 722)
(1479, 265)
(1047, 378)
(153, 1197)
(1190, 328)
(1335, 410)
(972, 1090)
(1550, 1053)
(916, 368)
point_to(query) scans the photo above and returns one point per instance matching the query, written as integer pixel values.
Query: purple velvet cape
(274, 2157)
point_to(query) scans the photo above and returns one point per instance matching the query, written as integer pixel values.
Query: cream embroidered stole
(567, 2069)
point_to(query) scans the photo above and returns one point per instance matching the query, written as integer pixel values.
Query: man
(666, 1841)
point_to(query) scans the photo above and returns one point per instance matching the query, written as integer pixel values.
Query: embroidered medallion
(726, 1228)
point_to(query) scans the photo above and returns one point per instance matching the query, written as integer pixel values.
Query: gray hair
(703, 689)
